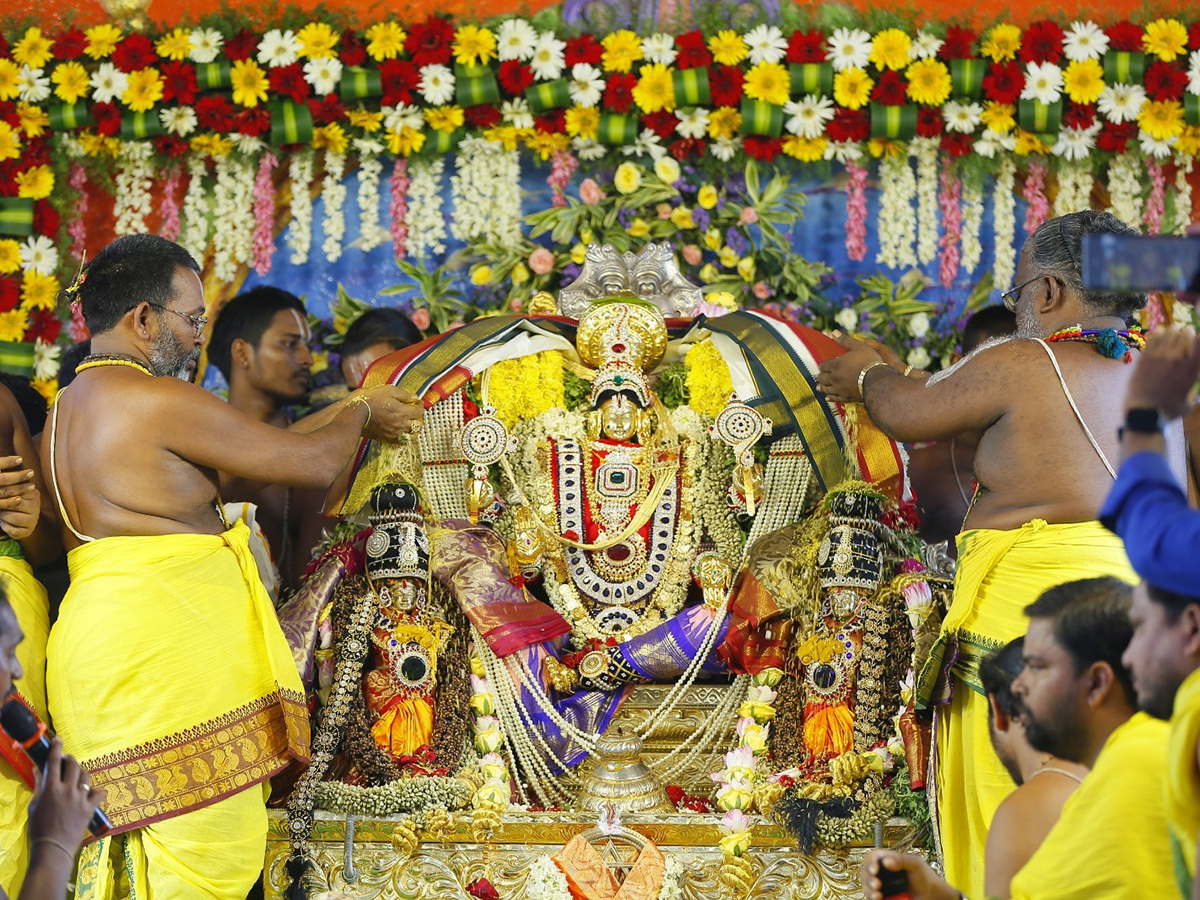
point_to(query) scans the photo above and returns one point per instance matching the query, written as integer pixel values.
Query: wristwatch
(1141, 420)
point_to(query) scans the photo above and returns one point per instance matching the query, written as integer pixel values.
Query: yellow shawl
(1183, 781)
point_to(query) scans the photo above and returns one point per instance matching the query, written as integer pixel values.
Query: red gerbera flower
(170, 146)
(69, 44)
(553, 122)
(135, 52)
(242, 45)
(725, 85)
(214, 112)
(482, 116)
(429, 42)
(618, 94)
(4, 46)
(685, 147)
(1165, 81)
(1079, 115)
(37, 152)
(806, 47)
(1004, 82)
(1194, 35)
(959, 43)
(288, 81)
(1041, 43)
(352, 51)
(10, 294)
(583, 49)
(1124, 37)
(929, 122)
(514, 76)
(179, 82)
(762, 148)
(1113, 138)
(399, 79)
(849, 125)
(107, 117)
(956, 144)
(44, 325)
(254, 121)
(45, 218)
(8, 113)
(693, 52)
(890, 90)
(327, 110)
(661, 123)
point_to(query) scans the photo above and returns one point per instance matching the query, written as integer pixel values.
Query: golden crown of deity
(623, 338)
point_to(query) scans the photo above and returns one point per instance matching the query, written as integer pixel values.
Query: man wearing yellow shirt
(1109, 843)
(1164, 656)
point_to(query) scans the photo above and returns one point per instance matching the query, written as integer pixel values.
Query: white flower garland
(134, 177)
(426, 223)
(972, 222)
(1183, 194)
(486, 191)
(673, 877)
(196, 222)
(300, 174)
(1075, 184)
(1125, 189)
(897, 218)
(333, 196)
(233, 207)
(370, 170)
(926, 152)
(1005, 225)
(546, 881)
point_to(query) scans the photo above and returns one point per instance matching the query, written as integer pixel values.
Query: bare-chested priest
(168, 675)
(1045, 406)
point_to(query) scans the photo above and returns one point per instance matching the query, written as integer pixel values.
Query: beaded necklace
(96, 360)
(1111, 342)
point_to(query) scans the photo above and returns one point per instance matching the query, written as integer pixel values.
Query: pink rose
(710, 309)
(541, 261)
(762, 290)
(664, 210)
(589, 192)
(420, 318)
(691, 254)
(749, 216)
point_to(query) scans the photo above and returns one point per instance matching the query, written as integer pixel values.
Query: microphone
(23, 727)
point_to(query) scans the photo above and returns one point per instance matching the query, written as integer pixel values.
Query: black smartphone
(1135, 262)
(894, 885)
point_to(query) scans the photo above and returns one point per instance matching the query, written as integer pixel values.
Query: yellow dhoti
(171, 681)
(1183, 782)
(28, 599)
(999, 574)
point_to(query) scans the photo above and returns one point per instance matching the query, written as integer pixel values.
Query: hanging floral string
(485, 192)
(1183, 193)
(972, 221)
(233, 207)
(426, 220)
(927, 198)
(194, 236)
(168, 209)
(1075, 184)
(1034, 193)
(1156, 202)
(77, 227)
(333, 197)
(370, 169)
(264, 212)
(562, 166)
(300, 174)
(1004, 206)
(134, 177)
(897, 217)
(952, 219)
(856, 211)
(398, 210)
(1125, 189)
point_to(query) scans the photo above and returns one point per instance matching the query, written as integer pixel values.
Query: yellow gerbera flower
(1029, 144)
(10, 256)
(655, 89)
(145, 88)
(38, 291)
(1002, 43)
(891, 49)
(369, 122)
(34, 119)
(102, 40)
(47, 387)
(34, 49)
(507, 136)
(13, 325)
(474, 45)
(36, 183)
(249, 83)
(1083, 81)
(385, 41)
(998, 116)
(1162, 119)
(317, 40)
(583, 121)
(10, 142)
(405, 142)
(212, 144)
(444, 118)
(928, 82)
(805, 149)
(545, 145)
(97, 145)
(724, 122)
(175, 44)
(879, 147)
(852, 88)
(331, 137)
(71, 81)
(10, 79)
(728, 47)
(621, 50)
(1189, 141)
(768, 82)
(1165, 38)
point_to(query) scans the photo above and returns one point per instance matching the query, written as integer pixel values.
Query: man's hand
(63, 805)
(1165, 373)
(20, 502)
(394, 413)
(838, 378)
(923, 882)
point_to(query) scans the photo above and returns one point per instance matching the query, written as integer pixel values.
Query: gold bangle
(907, 370)
(359, 398)
(862, 377)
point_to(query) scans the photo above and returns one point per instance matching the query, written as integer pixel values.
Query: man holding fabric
(168, 674)
(1045, 421)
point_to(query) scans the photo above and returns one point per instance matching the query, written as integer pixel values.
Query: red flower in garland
(1004, 82)
(44, 325)
(399, 79)
(1079, 116)
(214, 113)
(107, 117)
(69, 44)
(326, 111)
(661, 123)
(956, 144)
(686, 147)
(514, 76)
(482, 116)
(288, 81)
(242, 45)
(170, 146)
(583, 49)
(352, 51)
(429, 42)
(618, 94)
(10, 294)
(37, 152)
(1165, 81)
(890, 91)
(1124, 37)
(725, 85)
(179, 82)
(1041, 43)
(553, 122)
(45, 218)
(693, 52)
(1113, 138)
(849, 125)
(255, 121)
(8, 113)
(1194, 35)
(762, 148)
(8, 176)
(806, 47)
(135, 52)
(959, 43)
(5, 49)
(930, 122)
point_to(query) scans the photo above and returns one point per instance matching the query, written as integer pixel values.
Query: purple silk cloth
(299, 616)
(665, 651)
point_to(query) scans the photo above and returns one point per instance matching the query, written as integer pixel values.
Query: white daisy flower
(849, 48)
(1121, 102)
(990, 143)
(397, 118)
(324, 75)
(647, 144)
(725, 149)
(925, 46)
(1076, 144)
(847, 319)
(766, 43)
(38, 254)
(279, 48)
(844, 151)
(206, 44)
(547, 61)
(178, 120)
(693, 124)
(1194, 72)
(808, 116)
(1154, 147)
(436, 85)
(588, 148)
(247, 143)
(961, 117)
(46, 359)
(1084, 40)
(660, 48)
(1043, 82)
(586, 86)
(515, 39)
(516, 113)
(108, 83)
(34, 84)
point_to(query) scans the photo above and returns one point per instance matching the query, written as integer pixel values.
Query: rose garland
(952, 220)
(1034, 192)
(398, 207)
(168, 209)
(1004, 219)
(1155, 203)
(135, 174)
(77, 226)
(333, 198)
(194, 235)
(426, 221)
(370, 170)
(1125, 189)
(264, 212)
(897, 218)
(856, 211)
(562, 166)
(926, 152)
(300, 174)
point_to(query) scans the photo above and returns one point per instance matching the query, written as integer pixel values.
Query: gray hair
(1056, 249)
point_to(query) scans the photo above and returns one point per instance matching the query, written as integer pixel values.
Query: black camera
(1134, 262)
